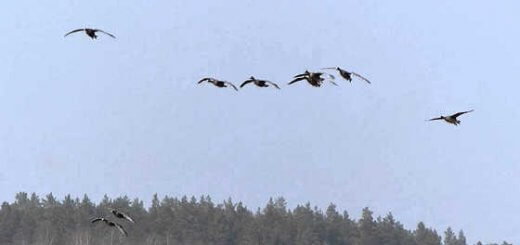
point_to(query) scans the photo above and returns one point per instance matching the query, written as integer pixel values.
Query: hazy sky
(126, 117)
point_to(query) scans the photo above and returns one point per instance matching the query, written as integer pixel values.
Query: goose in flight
(313, 78)
(452, 118)
(259, 83)
(111, 224)
(121, 215)
(218, 83)
(90, 32)
(347, 75)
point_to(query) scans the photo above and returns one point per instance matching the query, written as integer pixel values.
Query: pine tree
(449, 237)
(368, 229)
(461, 239)
(425, 236)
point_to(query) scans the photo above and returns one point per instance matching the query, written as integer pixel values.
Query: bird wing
(437, 118)
(333, 83)
(98, 30)
(274, 84)
(232, 85)
(121, 229)
(246, 82)
(297, 80)
(363, 78)
(330, 75)
(127, 217)
(460, 113)
(96, 220)
(331, 68)
(204, 79)
(302, 75)
(77, 30)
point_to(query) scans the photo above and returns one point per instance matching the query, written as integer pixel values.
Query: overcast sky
(126, 117)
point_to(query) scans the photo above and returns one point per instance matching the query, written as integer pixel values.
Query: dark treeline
(30, 220)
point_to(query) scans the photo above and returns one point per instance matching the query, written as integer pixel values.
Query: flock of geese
(118, 214)
(314, 79)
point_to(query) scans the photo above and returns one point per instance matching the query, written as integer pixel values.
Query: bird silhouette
(347, 75)
(218, 83)
(111, 224)
(90, 32)
(121, 215)
(259, 82)
(313, 78)
(452, 118)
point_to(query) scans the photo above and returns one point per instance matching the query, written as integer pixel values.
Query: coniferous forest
(31, 220)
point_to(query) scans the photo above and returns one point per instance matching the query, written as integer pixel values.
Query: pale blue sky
(126, 116)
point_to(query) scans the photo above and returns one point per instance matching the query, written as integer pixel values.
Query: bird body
(310, 80)
(451, 118)
(90, 32)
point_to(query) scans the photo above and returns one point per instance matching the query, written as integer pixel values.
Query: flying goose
(259, 83)
(111, 224)
(452, 118)
(347, 75)
(90, 32)
(313, 78)
(121, 215)
(218, 83)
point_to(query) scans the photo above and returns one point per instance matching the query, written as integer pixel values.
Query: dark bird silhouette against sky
(452, 118)
(259, 82)
(90, 32)
(111, 224)
(347, 75)
(313, 78)
(218, 83)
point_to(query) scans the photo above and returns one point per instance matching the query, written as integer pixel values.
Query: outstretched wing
(121, 215)
(302, 75)
(330, 75)
(204, 79)
(96, 220)
(246, 82)
(437, 118)
(125, 216)
(77, 30)
(98, 30)
(297, 80)
(333, 83)
(363, 78)
(274, 84)
(121, 229)
(460, 113)
(232, 85)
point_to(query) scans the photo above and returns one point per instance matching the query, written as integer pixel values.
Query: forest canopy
(31, 220)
